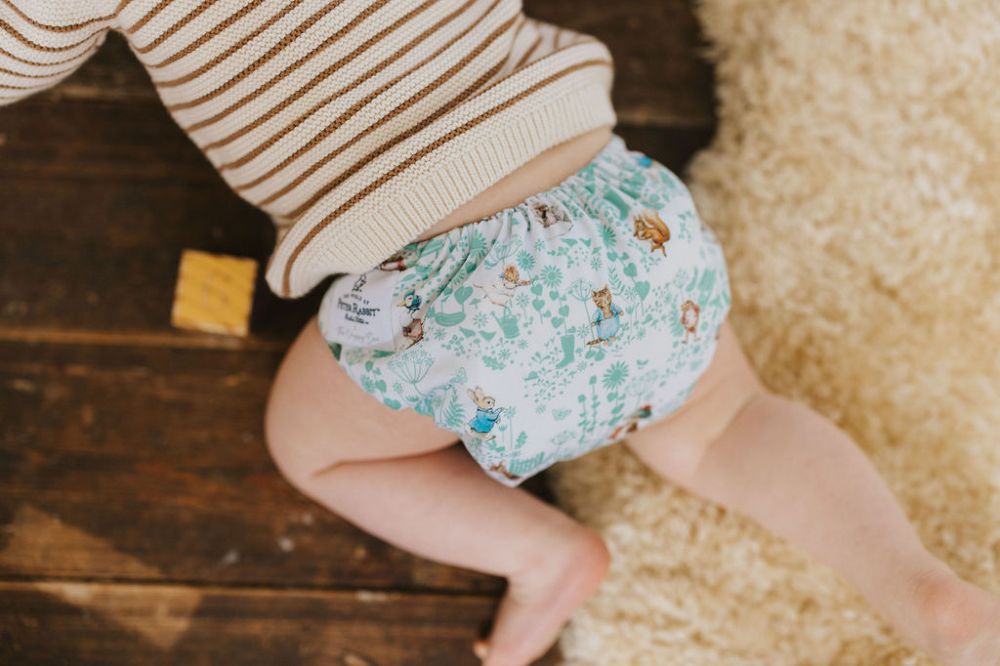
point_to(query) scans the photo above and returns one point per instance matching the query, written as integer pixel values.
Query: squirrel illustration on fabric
(501, 291)
(607, 319)
(649, 226)
(481, 425)
(690, 316)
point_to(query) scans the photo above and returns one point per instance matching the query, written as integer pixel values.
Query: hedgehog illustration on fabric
(690, 316)
(414, 331)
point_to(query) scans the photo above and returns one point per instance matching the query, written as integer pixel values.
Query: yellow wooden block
(214, 293)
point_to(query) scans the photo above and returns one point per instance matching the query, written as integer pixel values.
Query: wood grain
(150, 464)
(661, 80)
(56, 622)
(104, 256)
(95, 213)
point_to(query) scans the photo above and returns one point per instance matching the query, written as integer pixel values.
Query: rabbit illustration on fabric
(399, 261)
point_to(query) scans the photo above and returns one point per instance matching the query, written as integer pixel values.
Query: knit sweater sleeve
(43, 42)
(354, 124)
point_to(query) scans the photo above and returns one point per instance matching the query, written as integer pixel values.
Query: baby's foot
(539, 601)
(959, 623)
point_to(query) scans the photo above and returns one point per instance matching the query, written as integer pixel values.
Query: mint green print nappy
(548, 329)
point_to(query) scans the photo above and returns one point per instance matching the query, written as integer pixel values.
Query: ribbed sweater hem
(368, 234)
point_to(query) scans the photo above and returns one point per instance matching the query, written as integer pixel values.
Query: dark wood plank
(659, 77)
(98, 141)
(55, 622)
(94, 215)
(112, 74)
(673, 147)
(149, 464)
(79, 255)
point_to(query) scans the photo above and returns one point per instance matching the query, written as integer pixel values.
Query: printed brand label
(356, 311)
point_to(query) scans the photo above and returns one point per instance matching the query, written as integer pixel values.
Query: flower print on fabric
(548, 329)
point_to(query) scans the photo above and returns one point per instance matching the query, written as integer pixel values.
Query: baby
(508, 276)
(668, 380)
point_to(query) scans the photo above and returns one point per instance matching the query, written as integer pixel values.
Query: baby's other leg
(399, 477)
(798, 475)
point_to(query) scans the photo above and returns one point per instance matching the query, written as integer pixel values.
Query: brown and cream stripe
(356, 124)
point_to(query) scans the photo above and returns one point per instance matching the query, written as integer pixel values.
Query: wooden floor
(142, 519)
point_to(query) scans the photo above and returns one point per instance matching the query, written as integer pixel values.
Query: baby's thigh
(317, 416)
(675, 445)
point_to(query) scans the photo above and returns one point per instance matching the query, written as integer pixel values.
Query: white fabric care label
(357, 311)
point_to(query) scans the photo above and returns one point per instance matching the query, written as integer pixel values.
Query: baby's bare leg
(399, 477)
(805, 480)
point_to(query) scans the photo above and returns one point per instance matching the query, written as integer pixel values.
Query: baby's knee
(596, 553)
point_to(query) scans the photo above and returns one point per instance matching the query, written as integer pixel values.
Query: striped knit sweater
(355, 124)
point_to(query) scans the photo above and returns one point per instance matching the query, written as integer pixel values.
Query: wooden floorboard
(55, 622)
(104, 256)
(145, 463)
(94, 253)
(661, 80)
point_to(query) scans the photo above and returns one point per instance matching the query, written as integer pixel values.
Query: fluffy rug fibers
(854, 183)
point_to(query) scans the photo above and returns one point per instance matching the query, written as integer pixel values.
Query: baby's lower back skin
(534, 176)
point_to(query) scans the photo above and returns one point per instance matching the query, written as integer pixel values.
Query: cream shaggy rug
(855, 185)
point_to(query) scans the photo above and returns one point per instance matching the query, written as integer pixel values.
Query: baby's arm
(43, 42)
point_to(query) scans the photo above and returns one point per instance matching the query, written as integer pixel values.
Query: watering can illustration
(508, 324)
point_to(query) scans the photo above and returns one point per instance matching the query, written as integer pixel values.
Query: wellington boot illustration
(569, 350)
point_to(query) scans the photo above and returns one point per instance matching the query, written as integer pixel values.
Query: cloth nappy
(548, 329)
